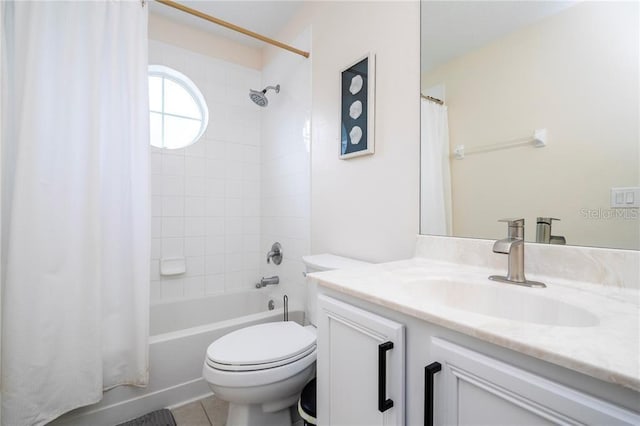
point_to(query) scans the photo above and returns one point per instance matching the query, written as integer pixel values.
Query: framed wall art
(357, 112)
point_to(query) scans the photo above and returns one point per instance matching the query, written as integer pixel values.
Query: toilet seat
(262, 366)
(260, 347)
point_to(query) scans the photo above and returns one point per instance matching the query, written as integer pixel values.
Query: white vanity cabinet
(360, 367)
(473, 382)
(474, 389)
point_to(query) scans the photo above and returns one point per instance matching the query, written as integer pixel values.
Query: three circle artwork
(357, 108)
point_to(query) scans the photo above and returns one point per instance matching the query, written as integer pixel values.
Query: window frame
(167, 73)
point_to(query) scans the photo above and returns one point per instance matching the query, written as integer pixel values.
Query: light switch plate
(622, 198)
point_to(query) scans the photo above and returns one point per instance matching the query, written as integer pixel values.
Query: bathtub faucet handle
(275, 254)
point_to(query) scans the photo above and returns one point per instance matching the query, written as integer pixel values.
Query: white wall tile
(215, 169)
(197, 149)
(234, 152)
(156, 205)
(173, 206)
(156, 227)
(156, 184)
(215, 150)
(172, 185)
(233, 189)
(172, 165)
(194, 286)
(251, 172)
(214, 188)
(195, 166)
(233, 170)
(233, 244)
(214, 207)
(154, 270)
(251, 154)
(214, 265)
(194, 186)
(172, 226)
(199, 192)
(155, 291)
(156, 248)
(251, 225)
(194, 206)
(215, 283)
(232, 280)
(215, 226)
(195, 266)
(233, 207)
(172, 288)
(251, 207)
(233, 225)
(214, 245)
(194, 227)
(252, 260)
(172, 247)
(194, 246)
(156, 163)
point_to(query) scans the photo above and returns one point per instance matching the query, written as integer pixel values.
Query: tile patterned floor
(205, 412)
(208, 412)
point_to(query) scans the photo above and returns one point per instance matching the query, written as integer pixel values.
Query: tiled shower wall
(286, 144)
(206, 197)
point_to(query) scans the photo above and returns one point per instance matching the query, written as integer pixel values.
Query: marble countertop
(604, 343)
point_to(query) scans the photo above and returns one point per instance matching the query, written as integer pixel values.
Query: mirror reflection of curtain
(435, 197)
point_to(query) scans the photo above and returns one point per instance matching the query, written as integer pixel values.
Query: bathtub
(180, 333)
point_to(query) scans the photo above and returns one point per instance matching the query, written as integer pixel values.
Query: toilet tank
(319, 263)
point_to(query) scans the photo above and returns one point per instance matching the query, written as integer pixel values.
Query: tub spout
(268, 281)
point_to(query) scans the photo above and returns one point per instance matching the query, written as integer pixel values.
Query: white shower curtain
(75, 207)
(435, 173)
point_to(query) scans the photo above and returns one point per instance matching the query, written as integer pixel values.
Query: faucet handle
(516, 227)
(546, 220)
(513, 222)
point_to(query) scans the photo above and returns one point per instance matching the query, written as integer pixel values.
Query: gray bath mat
(155, 418)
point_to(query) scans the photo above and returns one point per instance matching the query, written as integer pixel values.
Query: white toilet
(261, 370)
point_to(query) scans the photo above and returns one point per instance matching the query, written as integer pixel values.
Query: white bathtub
(180, 333)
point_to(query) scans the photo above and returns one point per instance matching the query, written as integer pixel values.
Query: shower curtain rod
(233, 27)
(432, 99)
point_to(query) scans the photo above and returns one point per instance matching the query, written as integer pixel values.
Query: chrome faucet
(268, 281)
(543, 232)
(275, 254)
(513, 246)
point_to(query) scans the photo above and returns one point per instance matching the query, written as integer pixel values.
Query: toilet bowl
(261, 370)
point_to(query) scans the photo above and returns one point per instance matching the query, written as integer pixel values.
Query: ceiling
(452, 28)
(448, 28)
(265, 17)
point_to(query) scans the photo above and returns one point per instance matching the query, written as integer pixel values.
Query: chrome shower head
(260, 97)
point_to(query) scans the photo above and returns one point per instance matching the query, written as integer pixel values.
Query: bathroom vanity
(397, 339)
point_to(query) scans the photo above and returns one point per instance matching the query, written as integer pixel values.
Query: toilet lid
(261, 346)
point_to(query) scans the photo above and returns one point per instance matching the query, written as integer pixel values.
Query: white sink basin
(502, 301)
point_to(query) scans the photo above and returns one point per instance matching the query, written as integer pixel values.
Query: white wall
(574, 73)
(365, 207)
(206, 198)
(198, 41)
(286, 138)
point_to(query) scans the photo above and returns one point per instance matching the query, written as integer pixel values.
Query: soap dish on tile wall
(173, 266)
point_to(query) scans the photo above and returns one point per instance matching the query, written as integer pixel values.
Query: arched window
(178, 111)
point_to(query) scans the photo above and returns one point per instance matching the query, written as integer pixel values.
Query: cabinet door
(360, 382)
(474, 389)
